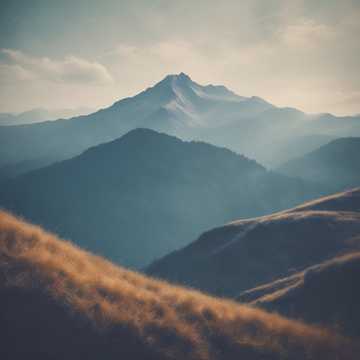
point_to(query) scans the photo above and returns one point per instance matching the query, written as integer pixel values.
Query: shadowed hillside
(328, 293)
(247, 253)
(59, 302)
(335, 164)
(146, 194)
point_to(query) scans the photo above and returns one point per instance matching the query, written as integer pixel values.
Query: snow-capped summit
(183, 83)
(189, 104)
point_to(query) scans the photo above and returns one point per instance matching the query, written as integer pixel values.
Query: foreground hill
(328, 293)
(179, 106)
(335, 164)
(58, 302)
(247, 253)
(147, 194)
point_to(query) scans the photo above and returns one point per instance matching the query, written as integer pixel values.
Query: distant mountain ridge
(153, 191)
(172, 106)
(335, 164)
(246, 253)
(179, 106)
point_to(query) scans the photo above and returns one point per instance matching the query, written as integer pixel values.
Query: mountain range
(59, 302)
(147, 194)
(246, 253)
(179, 106)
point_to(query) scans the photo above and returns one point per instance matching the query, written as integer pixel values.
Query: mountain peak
(177, 79)
(181, 76)
(185, 88)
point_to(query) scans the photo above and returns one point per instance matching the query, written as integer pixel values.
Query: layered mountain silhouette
(147, 194)
(59, 302)
(177, 105)
(174, 105)
(247, 253)
(335, 164)
(326, 294)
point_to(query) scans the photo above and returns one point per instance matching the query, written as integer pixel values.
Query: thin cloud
(298, 53)
(71, 69)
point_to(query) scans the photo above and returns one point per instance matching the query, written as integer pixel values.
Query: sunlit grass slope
(59, 302)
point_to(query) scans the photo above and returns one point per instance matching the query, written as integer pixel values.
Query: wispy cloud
(299, 53)
(71, 69)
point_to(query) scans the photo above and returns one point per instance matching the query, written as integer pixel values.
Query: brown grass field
(60, 302)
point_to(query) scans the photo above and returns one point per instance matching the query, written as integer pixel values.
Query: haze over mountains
(177, 105)
(247, 253)
(147, 194)
(335, 164)
(40, 115)
(59, 302)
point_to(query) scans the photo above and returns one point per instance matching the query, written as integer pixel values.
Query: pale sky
(71, 54)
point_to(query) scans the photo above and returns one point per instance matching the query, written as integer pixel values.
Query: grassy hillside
(148, 190)
(346, 201)
(247, 253)
(327, 293)
(59, 302)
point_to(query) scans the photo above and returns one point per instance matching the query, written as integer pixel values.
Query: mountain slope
(147, 191)
(179, 106)
(10, 171)
(335, 164)
(246, 253)
(59, 302)
(327, 293)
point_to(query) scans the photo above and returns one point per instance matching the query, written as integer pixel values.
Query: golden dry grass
(345, 203)
(144, 318)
